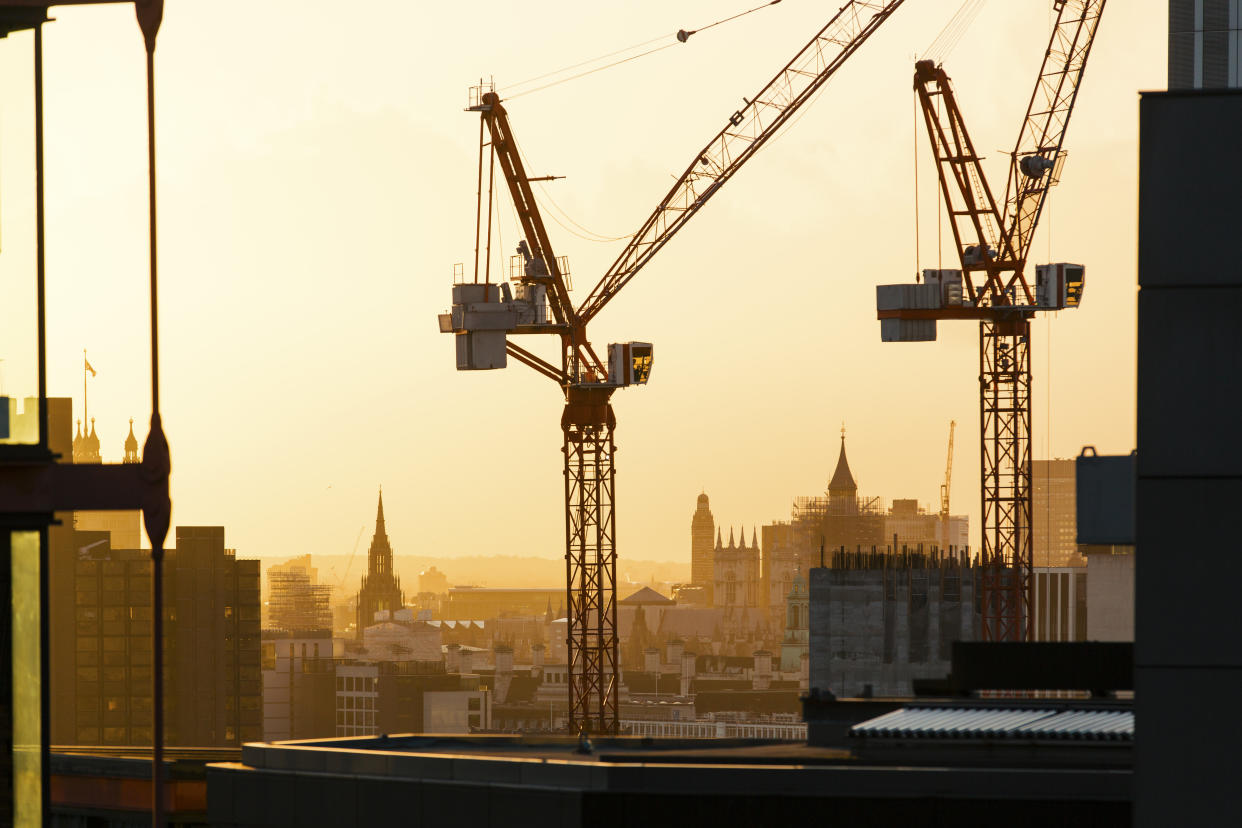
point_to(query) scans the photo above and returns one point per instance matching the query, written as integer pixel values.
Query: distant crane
(948, 479)
(995, 245)
(484, 316)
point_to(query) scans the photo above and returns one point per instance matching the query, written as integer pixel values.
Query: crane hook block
(683, 35)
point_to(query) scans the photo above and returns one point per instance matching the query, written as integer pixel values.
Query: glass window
(24, 548)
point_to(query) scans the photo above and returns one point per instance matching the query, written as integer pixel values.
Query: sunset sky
(316, 185)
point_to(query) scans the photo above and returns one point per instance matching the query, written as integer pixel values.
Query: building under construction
(840, 519)
(880, 620)
(296, 603)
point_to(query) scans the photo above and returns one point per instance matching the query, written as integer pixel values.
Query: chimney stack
(687, 672)
(651, 660)
(504, 673)
(452, 658)
(761, 679)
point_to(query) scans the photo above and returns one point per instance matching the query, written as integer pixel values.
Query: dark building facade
(101, 651)
(381, 588)
(1188, 656)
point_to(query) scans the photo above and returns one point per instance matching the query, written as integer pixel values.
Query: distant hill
(487, 571)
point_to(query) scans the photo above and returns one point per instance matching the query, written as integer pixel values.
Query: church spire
(731, 543)
(379, 556)
(842, 483)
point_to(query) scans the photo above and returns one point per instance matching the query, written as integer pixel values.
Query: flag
(88, 366)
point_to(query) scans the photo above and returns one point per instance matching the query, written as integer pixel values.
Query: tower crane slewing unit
(993, 242)
(486, 317)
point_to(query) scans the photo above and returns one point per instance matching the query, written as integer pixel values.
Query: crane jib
(745, 132)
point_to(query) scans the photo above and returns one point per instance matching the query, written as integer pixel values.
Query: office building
(1053, 518)
(1205, 43)
(101, 652)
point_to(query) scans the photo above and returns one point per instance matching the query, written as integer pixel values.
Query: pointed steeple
(718, 537)
(379, 556)
(754, 539)
(381, 588)
(842, 483)
(131, 445)
(732, 545)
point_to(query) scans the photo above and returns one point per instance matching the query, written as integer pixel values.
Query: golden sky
(316, 176)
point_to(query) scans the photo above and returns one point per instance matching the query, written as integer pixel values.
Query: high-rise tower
(381, 588)
(702, 527)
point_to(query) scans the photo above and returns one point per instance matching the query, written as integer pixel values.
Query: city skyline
(366, 390)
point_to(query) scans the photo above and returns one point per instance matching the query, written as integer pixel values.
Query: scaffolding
(297, 604)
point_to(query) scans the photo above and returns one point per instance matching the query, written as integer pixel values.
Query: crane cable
(681, 36)
(948, 38)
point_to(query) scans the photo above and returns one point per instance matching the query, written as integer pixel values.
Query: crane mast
(993, 243)
(485, 316)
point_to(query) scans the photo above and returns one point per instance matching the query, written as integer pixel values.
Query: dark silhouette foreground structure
(34, 486)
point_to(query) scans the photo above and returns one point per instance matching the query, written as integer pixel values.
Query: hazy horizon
(301, 364)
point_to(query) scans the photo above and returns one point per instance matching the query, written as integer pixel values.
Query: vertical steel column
(1005, 423)
(591, 560)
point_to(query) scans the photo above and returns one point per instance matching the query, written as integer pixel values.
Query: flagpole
(85, 402)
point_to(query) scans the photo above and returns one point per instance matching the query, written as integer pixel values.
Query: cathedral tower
(702, 525)
(381, 588)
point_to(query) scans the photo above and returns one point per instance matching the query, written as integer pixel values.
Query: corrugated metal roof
(1000, 723)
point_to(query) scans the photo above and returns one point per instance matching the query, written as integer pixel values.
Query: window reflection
(27, 753)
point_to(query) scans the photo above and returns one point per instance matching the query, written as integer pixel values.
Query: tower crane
(993, 242)
(948, 478)
(486, 317)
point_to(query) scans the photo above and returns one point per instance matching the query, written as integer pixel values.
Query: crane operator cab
(1059, 285)
(629, 363)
